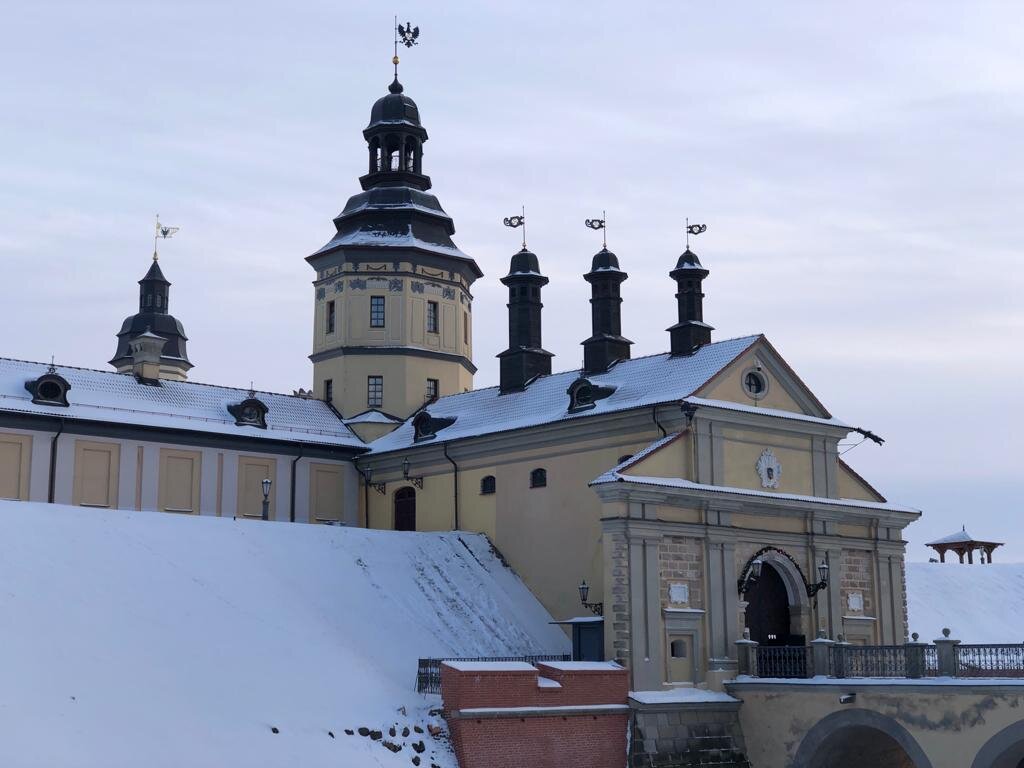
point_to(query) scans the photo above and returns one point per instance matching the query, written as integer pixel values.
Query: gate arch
(1004, 750)
(865, 729)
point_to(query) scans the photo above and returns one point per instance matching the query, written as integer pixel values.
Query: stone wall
(681, 561)
(617, 619)
(687, 734)
(856, 577)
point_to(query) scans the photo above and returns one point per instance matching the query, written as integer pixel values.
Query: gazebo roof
(960, 537)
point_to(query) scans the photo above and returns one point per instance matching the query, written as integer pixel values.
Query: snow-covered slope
(979, 603)
(135, 638)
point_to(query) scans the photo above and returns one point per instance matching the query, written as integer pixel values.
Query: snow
(597, 708)
(106, 396)
(683, 695)
(855, 682)
(640, 382)
(491, 666)
(960, 537)
(582, 666)
(146, 638)
(406, 238)
(726, 405)
(979, 603)
(544, 682)
(674, 482)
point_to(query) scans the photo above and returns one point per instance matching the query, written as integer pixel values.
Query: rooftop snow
(106, 396)
(490, 666)
(979, 603)
(403, 239)
(146, 638)
(960, 537)
(681, 695)
(643, 381)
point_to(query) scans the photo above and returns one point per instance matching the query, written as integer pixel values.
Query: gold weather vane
(517, 221)
(599, 224)
(407, 36)
(694, 229)
(162, 233)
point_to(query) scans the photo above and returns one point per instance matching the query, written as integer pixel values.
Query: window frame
(378, 312)
(433, 322)
(432, 396)
(330, 317)
(488, 488)
(375, 391)
(328, 390)
(538, 477)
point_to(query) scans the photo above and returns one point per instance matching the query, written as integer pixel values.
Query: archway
(767, 614)
(1004, 750)
(856, 738)
(405, 509)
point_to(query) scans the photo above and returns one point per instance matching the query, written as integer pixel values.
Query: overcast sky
(858, 165)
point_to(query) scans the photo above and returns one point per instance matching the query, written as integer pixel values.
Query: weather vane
(599, 224)
(162, 233)
(407, 36)
(517, 221)
(694, 229)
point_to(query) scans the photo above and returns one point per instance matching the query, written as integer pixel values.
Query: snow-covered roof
(118, 398)
(639, 382)
(614, 476)
(373, 416)
(728, 405)
(404, 238)
(979, 603)
(147, 638)
(960, 537)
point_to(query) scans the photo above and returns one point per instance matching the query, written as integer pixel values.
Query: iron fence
(931, 661)
(782, 661)
(989, 660)
(869, 660)
(428, 671)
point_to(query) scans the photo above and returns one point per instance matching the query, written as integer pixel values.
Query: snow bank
(135, 638)
(979, 603)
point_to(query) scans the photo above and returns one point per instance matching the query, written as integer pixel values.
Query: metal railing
(989, 660)
(428, 671)
(869, 660)
(782, 661)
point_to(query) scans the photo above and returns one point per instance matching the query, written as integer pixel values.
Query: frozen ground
(137, 638)
(979, 603)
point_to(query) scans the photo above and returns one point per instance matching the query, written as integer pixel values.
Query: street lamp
(266, 483)
(813, 589)
(417, 481)
(597, 608)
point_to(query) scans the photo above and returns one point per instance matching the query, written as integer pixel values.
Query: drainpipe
(366, 495)
(455, 482)
(654, 415)
(53, 463)
(291, 513)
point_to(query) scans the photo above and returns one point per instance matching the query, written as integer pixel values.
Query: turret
(606, 344)
(525, 359)
(691, 332)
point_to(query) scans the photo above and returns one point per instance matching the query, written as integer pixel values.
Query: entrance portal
(858, 747)
(767, 612)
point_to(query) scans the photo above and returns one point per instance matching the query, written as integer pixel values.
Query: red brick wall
(536, 739)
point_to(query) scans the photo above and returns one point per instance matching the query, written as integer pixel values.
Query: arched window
(538, 478)
(488, 485)
(405, 509)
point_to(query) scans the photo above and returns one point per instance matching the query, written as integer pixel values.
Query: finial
(162, 232)
(252, 391)
(517, 221)
(694, 229)
(599, 224)
(52, 368)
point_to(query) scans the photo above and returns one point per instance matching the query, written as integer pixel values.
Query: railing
(782, 661)
(869, 660)
(989, 660)
(428, 672)
(930, 667)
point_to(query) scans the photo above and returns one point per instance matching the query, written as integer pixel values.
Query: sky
(858, 166)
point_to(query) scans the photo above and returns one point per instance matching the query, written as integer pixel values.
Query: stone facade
(856, 578)
(681, 561)
(618, 548)
(687, 734)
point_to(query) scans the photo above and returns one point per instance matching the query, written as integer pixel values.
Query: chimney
(606, 344)
(524, 359)
(145, 352)
(691, 332)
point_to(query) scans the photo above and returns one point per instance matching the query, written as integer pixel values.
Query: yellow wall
(180, 472)
(15, 460)
(852, 487)
(728, 385)
(741, 450)
(96, 474)
(674, 459)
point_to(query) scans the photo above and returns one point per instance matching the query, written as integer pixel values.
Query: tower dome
(395, 109)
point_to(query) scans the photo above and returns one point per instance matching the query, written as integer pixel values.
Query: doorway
(405, 509)
(767, 613)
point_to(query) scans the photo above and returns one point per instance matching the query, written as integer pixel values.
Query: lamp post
(584, 589)
(266, 483)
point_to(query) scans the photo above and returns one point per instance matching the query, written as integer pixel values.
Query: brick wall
(856, 576)
(551, 716)
(618, 548)
(681, 561)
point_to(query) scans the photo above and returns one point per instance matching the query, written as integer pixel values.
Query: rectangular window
(328, 390)
(376, 311)
(433, 387)
(431, 317)
(375, 391)
(465, 328)
(329, 325)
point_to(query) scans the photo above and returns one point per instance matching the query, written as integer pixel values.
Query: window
(431, 317)
(375, 391)
(376, 311)
(680, 649)
(405, 509)
(329, 326)
(328, 390)
(487, 485)
(755, 383)
(433, 387)
(465, 328)
(538, 478)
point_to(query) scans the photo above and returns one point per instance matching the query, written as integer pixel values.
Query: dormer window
(251, 412)
(426, 427)
(49, 389)
(583, 395)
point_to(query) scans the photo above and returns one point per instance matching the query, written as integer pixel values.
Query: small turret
(525, 358)
(691, 332)
(606, 344)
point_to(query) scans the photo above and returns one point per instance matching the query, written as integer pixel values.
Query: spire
(525, 359)
(691, 332)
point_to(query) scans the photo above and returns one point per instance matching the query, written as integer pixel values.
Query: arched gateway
(857, 738)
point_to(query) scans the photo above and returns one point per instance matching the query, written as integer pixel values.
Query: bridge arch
(1004, 750)
(854, 738)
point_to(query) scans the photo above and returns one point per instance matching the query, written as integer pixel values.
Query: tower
(393, 308)
(524, 359)
(606, 344)
(154, 318)
(691, 332)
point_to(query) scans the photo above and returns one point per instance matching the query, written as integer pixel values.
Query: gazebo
(963, 543)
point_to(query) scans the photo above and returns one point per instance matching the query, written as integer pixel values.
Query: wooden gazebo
(962, 543)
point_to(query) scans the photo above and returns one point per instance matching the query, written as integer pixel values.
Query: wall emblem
(395, 285)
(769, 469)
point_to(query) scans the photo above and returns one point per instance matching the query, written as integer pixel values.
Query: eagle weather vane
(407, 36)
(599, 224)
(162, 233)
(694, 229)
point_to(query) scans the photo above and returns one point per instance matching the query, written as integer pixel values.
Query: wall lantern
(417, 481)
(752, 572)
(596, 608)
